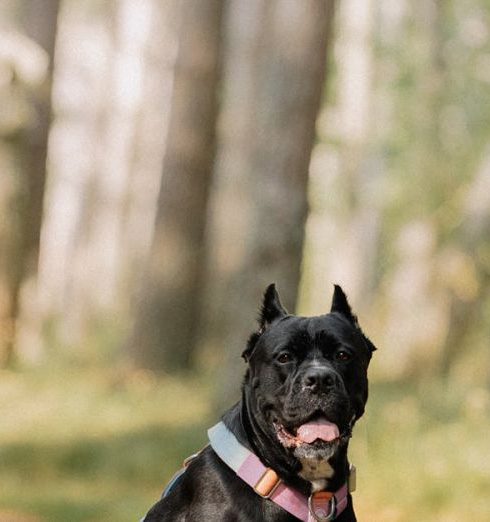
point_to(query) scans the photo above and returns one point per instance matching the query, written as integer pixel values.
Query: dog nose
(320, 379)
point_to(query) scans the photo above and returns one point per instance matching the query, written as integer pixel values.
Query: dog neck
(299, 475)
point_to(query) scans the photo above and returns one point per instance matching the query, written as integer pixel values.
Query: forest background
(161, 162)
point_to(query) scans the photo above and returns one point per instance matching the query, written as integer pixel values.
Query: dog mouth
(317, 431)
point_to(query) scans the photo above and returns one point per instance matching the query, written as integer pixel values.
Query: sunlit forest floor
(97, 444)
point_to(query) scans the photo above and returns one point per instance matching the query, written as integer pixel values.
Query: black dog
(305, 387)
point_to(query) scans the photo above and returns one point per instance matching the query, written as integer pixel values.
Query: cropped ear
(370, 346)
(341, 305)
(270, 311)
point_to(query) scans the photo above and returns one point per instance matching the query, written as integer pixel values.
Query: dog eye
(342, 355)
(285, 357)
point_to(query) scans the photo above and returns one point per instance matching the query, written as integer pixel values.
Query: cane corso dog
(305, 387)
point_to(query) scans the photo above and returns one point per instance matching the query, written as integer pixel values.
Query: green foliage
(433, 73)
(424, 453)
(94, 444)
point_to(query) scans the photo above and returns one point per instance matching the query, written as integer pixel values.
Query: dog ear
(270, 311)
(369, 344)
(341, 305)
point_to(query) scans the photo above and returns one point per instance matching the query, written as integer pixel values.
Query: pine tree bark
(167, 315)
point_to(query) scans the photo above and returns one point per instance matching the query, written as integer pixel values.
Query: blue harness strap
(173, 481)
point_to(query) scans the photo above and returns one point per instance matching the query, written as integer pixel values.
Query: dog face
(307, 377)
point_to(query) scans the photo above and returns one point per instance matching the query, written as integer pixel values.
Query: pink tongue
(319, 429)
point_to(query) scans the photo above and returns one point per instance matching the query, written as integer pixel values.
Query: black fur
(274, 392)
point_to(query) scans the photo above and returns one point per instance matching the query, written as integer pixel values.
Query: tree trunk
(21, 244)
(9, 234)
(167, 314)
(344, 165)
(99, 248)
(412, 282)
(469, 288)
(41, 18)
(274, 128)
(150, 132)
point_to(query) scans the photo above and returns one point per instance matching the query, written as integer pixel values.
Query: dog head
(306, 384)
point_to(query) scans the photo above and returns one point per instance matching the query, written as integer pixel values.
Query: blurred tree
(24, 188)
(168, 307)
(113, 80)
(150, 132)
(342, 231)
(230, 211)
(467, 276)
(40, 21)
(431, 116)
(275, 72)
(434, 267)
(98, 248)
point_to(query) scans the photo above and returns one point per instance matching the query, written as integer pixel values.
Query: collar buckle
(267, 483)
(322, 506)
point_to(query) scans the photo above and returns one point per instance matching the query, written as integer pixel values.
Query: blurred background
(161, 162)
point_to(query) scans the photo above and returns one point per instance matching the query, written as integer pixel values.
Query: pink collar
(321, 506)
